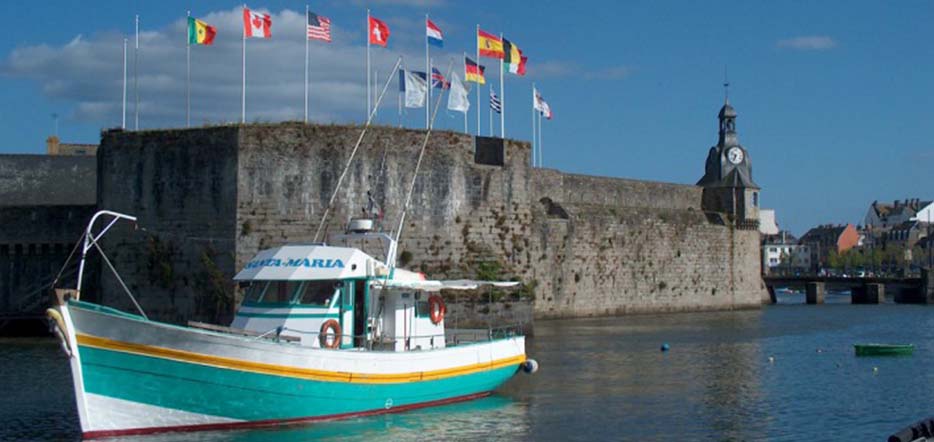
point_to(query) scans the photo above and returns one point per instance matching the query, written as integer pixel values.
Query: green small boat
(884, 349)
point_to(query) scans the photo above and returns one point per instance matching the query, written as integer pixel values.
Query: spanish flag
(489, 45)
(199, 32)
(473, 72)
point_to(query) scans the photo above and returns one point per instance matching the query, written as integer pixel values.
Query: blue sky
(834, 97)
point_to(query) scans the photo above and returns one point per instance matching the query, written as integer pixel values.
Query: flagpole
(466, 130)
(478, 84)
(368, 63)
(375, 86)
(491, 110)
(502, 96)
(243, 77)
(541, 154)
(136, 76)
(306, 63)
(123, 125)
(427, 74)
(533, 125)
(188, 74)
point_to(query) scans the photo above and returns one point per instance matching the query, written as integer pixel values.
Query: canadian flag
(379, 32)
(256, 24)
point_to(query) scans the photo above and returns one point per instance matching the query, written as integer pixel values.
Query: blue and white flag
(495, 103)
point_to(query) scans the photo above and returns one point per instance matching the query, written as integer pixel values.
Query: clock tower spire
(727, 181)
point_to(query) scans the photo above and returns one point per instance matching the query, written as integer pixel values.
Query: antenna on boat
(353, 153)
(408, 196)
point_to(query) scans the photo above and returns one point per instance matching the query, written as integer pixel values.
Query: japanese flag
(256, 24)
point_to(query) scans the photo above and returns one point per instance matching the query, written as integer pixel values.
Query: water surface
(784, 373)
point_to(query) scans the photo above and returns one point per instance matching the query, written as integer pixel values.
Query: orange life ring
(436, 309)
(330, 328)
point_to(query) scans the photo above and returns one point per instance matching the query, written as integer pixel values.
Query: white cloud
(88, 70)
(808, 43)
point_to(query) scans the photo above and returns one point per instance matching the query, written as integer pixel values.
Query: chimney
(52, 145)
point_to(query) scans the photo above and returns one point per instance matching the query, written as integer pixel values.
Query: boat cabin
(339, 297)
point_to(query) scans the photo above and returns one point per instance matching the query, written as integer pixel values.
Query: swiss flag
(256, 24)
(379, 32)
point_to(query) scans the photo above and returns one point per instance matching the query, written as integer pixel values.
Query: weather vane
(726, 85)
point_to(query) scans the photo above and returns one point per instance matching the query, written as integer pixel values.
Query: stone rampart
(44, 180)
(208, 199)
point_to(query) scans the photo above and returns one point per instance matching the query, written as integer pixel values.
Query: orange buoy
(330, 328)
(436, 309)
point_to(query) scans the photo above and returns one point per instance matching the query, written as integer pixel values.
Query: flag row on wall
(416, 85)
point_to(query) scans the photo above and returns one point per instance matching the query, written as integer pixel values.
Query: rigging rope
(369, 120)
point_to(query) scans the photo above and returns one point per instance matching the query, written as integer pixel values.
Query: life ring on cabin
(331, 328)
(436, 309)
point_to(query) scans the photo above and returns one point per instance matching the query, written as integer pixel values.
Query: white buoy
(771, 360)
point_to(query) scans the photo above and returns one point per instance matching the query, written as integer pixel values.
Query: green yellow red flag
(199, 32)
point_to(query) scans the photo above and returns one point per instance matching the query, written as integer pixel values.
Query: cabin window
(255, 292)
(280, 292)
(421, 309)
(318, 293)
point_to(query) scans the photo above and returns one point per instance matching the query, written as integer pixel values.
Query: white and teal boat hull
(134, 376)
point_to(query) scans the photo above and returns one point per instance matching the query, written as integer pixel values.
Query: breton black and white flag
(495, 104)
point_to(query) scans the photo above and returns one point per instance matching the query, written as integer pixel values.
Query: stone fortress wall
(45, 202)
(209, 198)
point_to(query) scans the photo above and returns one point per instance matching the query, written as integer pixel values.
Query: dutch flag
(433, 32)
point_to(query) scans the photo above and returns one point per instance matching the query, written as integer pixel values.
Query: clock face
(735, 155)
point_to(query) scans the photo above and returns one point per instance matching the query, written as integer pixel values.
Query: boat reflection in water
(473, 420)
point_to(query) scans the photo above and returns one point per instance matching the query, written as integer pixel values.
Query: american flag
(495, 104)
(319, 28)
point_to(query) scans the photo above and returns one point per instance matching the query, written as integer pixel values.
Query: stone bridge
(864, 290)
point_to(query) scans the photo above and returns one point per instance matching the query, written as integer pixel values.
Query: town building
(767, 224)
(784, 255)
(824, 239)
(54, 146)
(883, 216)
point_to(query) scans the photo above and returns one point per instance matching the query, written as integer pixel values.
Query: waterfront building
(906, 234)
(784, 255)
(767, 224)
(883, 216)
(821, 240)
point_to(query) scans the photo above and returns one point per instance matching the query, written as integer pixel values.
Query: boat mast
(353, 153)
(408, 196)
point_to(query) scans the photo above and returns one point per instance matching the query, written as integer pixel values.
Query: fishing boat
(326, 330)
(884, 349)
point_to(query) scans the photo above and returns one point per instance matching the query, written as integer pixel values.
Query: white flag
(537, 101)
(416, 89)
(457, 97)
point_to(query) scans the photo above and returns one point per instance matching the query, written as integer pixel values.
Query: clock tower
(727, 181)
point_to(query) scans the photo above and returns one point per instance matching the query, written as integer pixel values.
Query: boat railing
(452, 337)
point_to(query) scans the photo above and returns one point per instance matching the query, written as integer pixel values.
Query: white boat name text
(297, 262)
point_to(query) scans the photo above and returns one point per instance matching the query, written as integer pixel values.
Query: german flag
(489, 45)
(473, 72)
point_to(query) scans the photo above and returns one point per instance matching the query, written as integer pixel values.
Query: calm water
(604, 379)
